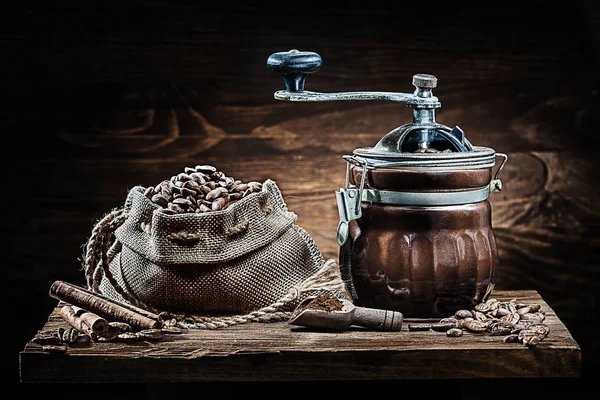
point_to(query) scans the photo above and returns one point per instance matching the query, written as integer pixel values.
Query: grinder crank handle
(376, 319)
(295, 65)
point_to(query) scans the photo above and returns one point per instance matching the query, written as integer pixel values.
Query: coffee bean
(511, 339)
(449, 320)
(534, 308)
(215, 193)
(199, 178)
(479, 316)
(149, 192)
(462, 321)
(512, 318)
(182, 177)
(463, 314)
(234, 196)
(218, 204)
(128, 337)
(207, 169)
(475, 326)
(212, 184)
(256, 186)
(151, 334)
(217, 176)
(175, 207)
(454, 332)
(501, 312)
(183, 202)
(533, 335)
(535, 317)
(186, 192)
(501, 328)
(120, 326)
(69, 335)
(160, 199)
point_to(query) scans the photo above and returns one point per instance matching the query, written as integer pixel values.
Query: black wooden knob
(294, 65)
(424, 81)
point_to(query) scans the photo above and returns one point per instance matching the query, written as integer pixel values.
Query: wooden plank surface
(281, 352)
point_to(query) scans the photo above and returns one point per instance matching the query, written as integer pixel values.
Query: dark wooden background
(98, 99)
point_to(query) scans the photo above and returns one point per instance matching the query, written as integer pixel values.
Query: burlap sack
(249, 260)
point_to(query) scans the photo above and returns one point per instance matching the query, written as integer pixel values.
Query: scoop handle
(376, 319)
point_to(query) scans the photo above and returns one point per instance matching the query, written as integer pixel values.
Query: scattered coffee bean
(513, 338)
(533, 335)
(479, 316)
(475, 326)
(511, 318)
(450, 320)
(463, 314)
(501, 328)
(68, 335)
(461, 322)
(120, 326)
(128, 337)
(454, 332)
(151, 334)
(517, 322)
(46, 337)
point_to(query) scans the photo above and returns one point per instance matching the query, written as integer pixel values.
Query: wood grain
(278, 351)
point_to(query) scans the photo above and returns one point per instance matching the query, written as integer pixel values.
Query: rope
(97, 257)
(94, 246)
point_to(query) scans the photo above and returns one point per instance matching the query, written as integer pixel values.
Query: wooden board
(281, 352)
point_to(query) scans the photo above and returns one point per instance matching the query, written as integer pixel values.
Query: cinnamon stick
(104, 307)
(68, 314)
(129, 306)
(96, 323)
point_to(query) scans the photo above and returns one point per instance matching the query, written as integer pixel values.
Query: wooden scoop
(344, 316)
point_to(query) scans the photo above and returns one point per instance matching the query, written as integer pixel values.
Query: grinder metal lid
(424, 142)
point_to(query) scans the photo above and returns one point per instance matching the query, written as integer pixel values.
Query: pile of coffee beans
(198, 190)
(517, 322)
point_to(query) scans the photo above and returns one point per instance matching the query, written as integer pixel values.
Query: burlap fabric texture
(248, 262)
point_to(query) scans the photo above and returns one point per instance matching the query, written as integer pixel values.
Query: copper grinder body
(421, 260)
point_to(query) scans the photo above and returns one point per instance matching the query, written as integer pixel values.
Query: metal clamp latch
(348, 201)
(496, 184)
